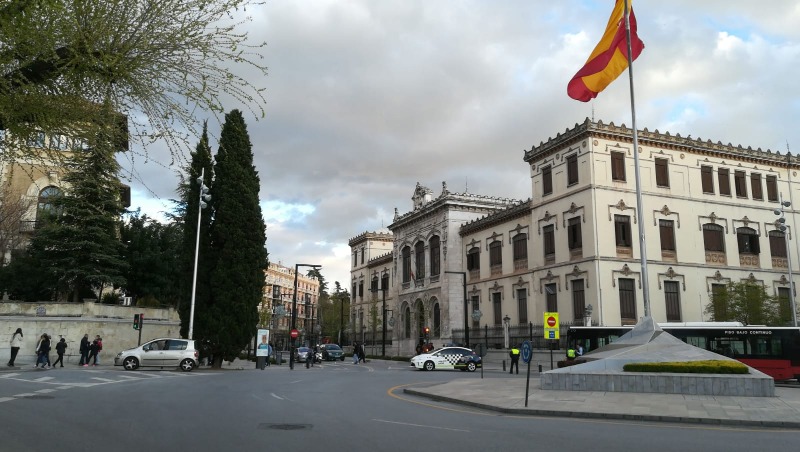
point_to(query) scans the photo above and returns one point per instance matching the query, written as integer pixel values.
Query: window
(407, 322)
(434, 252)
(437, 321)
(374, 284)
(475, 307)
(667, 232)
(755, 185)
(385, 281)
(713, 238)
(520, 242)
(549, 242)
(777, 244)
(355, 259)
(772, 188)
(740, 184)
(662, 172)
(719, 301)
(707, 179)
(419, 254)
(572, 169)
(406, 264)
(724, 181)
(498, 315)
(618, 166)
(547, 180)
(46, 207)
(495, 253)
(551, 297)
(36, 140)
(362, 256)
(578, 299)
(784, 305)
(361, 289)
(574, 237)
(627, 300)
(522, 305)
(672, 298)
(474, 259)
(748, 241)
(622, 230)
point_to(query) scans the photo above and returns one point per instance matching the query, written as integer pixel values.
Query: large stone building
(573, 248)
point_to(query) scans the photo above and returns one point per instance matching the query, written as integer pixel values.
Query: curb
(629, 417)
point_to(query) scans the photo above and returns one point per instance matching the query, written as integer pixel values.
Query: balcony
(780, 262)
(716, 257)
(749, 260)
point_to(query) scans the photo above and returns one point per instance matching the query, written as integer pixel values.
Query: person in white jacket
(16, 343)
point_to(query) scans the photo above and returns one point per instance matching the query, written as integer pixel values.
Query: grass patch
(689, 367)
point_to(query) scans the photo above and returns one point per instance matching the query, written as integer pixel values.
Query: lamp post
(476, 316)
(204, 197)
(782, 227)
(294, 309)
(466, 308)
(506, 325)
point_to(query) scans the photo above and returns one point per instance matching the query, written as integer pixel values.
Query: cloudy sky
(367, 98)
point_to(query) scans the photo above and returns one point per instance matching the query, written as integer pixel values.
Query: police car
(447, 358)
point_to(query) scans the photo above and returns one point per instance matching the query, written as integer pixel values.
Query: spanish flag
(609, 59)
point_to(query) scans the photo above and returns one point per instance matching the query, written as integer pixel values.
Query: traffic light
(427, 332)
(138, 320)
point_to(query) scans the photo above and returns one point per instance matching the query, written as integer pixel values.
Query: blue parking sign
(551, 335)
(526, 351)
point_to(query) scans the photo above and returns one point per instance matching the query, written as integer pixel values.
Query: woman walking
(43, 352)
(16, 343)
(61, 347)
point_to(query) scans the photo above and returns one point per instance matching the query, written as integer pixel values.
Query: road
(331, 407)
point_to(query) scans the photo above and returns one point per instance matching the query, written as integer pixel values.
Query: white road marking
(8, 375)
(276, 396)
(46, 391)
(43, 379)
(131, 377)
(23, 395)
(421, 425)
(104, 380)
(149, 375)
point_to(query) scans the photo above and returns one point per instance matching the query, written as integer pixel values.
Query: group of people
(90, 351)
(572, 353)
(358, 353)
(424, 347)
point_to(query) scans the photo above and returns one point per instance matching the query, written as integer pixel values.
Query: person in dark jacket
(61, 347)
(43, 352)
(84, 349)
(94, 347)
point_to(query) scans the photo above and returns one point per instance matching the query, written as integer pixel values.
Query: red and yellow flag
(609, 59)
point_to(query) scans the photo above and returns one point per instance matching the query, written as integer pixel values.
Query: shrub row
(689, 367)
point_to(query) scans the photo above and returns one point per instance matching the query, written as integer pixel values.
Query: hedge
(689, 367)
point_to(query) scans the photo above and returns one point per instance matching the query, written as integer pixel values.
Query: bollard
(504, 365)
(540, 367)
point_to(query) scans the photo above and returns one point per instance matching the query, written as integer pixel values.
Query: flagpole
(639, 210)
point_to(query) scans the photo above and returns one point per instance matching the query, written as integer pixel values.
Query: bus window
(727, 347)
(697, 341)
(765, 347)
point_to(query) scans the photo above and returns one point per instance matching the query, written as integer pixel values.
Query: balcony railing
(716, 257)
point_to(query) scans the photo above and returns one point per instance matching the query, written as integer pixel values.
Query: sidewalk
(507, 395)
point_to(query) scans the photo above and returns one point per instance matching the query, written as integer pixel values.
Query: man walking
(84, 349)
(61, 347)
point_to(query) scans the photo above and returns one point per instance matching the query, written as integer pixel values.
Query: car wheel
(429, 365)
(471, 366)
(130, 363)
(342, 358)
(187, 365)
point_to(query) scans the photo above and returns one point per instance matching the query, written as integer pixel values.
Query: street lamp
(782, 227)
(204, 198)
(506, 325)
(294, 309)
(466, 309)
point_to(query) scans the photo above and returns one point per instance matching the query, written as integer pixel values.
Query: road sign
(551, 330)
(295, 333)
(526, 351)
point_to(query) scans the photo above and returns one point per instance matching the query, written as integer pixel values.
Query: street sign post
(551, 331)
(526, 356)
(295, 333)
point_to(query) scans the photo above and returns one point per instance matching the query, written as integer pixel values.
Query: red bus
(772, 350)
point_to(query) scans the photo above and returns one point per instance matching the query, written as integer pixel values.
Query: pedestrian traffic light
(137, 321)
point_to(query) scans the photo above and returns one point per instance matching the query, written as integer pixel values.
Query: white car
(164, 352)
(443, 358)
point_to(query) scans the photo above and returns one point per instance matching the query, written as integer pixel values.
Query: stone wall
(113, 323)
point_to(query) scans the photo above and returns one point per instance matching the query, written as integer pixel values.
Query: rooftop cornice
(364, 236)
(519, 210)
(464, 201)
(665, 140)
(383, 258)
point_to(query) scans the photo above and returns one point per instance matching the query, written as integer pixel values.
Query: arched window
(747, 239)
(407, 322)
(713, 238)
(45, 207)
(437, 321)
(420, 317)
(406, 264)
(419, 256)
(435, 249)
(474, 259)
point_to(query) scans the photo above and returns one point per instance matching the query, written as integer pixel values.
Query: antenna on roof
(466, 184)
(592, 111)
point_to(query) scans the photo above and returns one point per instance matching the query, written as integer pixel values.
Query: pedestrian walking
(61, 347)
(93, 351)
(43, 352)
(99, 349)
(362, 356)
(84, 349)
(16, 344)
(514, 354)
(355, 353)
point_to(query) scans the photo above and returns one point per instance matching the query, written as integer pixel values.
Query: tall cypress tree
(190, 193)
(238, 255)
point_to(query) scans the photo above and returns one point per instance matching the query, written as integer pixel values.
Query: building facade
(711, 215)
(276, 304)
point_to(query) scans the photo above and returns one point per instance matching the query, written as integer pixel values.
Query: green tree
(152, 253)
(188, 210)
(334, 311)
(157, 61)
(238, 255)
(27, 278)
(747, 302)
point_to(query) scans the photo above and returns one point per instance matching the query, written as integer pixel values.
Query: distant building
(276, 304)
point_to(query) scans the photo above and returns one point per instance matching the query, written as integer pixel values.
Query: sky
(365, 98)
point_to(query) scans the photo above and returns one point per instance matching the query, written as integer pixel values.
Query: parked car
(162, 352)
(331, 352)
(301, 354)
(444, 358)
